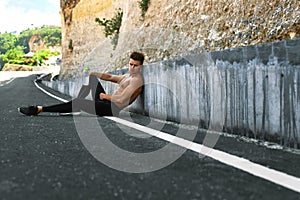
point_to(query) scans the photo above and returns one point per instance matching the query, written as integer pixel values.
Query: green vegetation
(39, 57)
(14, 47)
(112, 26)
(144, 5)
(7, 41)
(14, 55)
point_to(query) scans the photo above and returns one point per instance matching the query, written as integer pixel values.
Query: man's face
(134, 65)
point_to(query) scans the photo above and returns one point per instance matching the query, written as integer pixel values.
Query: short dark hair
(137, 56)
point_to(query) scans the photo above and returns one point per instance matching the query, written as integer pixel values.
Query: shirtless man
(129, 88)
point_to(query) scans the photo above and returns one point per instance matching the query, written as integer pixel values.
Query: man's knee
(93, 78)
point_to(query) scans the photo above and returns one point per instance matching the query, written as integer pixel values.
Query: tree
(13, 47)
(23, 40)
(15, 54)
(7, 41)
(51, 36)
(2, 63)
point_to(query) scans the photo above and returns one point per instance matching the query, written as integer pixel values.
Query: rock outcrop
(170, 28)
(15, 67)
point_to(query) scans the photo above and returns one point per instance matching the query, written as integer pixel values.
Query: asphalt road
(44, 157)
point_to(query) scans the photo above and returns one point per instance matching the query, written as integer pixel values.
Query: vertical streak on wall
(293, 113)
(254, 102)
(246, 108)
(264, 106)
(281, 106)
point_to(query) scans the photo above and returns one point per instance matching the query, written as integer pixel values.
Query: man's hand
(102, 96)
(105, 96)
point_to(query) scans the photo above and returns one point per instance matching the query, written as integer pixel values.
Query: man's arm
(107, 77)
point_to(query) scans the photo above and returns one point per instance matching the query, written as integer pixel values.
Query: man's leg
(84, 91)
(106, 108)
(100, 108)
(75, 105)
(94, 86)
(60, 108)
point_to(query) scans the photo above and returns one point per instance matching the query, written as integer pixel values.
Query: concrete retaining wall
(252, 91)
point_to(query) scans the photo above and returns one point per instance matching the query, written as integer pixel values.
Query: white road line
(48, 93)
(8, 82)
(280, 178)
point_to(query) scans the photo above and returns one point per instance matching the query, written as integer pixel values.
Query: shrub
(144, 5)
(112, 26)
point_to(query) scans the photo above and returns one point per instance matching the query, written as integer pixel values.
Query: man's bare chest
(125, 82)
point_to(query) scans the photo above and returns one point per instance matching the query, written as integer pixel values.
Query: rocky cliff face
(170, 28)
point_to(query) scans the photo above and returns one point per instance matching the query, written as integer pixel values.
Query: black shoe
(30, 110)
